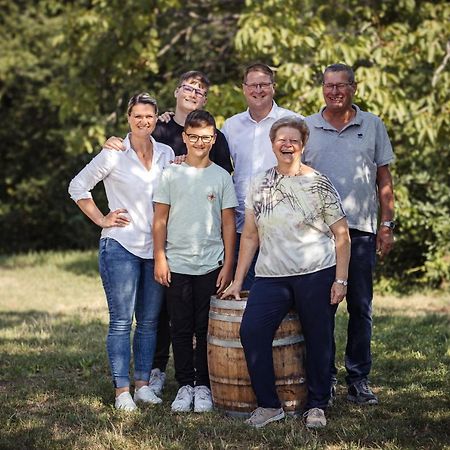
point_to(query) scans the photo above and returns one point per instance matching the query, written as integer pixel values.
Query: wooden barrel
(230, 382)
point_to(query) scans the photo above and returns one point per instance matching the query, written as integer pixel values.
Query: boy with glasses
(196, 195)
(191, 94)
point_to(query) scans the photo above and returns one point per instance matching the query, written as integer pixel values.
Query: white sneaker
(183, 400)
(146, 395)
(202, 399)
(315, 418)
(125, 402)
(157, 380)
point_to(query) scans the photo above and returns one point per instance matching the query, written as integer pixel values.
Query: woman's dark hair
(142, 98)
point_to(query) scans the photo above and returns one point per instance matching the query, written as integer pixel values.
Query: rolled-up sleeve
(97, 170)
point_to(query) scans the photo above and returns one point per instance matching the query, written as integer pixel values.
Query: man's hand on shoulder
(166, 116)
(114, 143)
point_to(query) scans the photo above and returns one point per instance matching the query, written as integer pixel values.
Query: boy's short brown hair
(200, 118)
(195, 75)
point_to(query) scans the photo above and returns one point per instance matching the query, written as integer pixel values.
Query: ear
(184, 137)
(175, 92)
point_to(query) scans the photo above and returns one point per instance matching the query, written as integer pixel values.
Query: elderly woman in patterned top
(295, 217)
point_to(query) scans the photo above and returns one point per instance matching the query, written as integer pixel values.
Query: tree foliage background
(68, 68)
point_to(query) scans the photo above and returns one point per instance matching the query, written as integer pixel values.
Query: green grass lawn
(55, 389)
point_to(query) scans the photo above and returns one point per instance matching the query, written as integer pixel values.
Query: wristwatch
(343, 282)
(388, 223)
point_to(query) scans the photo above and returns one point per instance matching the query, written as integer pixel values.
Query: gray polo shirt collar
(320, 122)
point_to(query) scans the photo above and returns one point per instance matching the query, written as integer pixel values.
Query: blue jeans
(358, 358)
(130, 288)
(250, 277)
(268, 303)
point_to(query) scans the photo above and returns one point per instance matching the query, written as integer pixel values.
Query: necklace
(289, 175)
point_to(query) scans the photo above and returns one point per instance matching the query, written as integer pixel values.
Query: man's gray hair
(340, 68)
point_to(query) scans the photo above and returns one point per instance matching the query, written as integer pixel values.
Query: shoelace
(363, 385)
(184, 392)
(202, 393)
(257, 413)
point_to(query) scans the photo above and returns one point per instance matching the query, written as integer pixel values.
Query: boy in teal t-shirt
(194, 238)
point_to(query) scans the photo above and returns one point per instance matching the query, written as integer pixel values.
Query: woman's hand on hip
(115, 218)
(338, 293)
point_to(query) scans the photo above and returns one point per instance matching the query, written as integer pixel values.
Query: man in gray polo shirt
(353, 149)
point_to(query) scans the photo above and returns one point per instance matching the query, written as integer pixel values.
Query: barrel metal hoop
(236, 319)
(228, 304)
(224, 318)
(246, 382)
(233, 343)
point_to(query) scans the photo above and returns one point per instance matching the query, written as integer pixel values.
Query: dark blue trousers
(269, 301)
(358, 358)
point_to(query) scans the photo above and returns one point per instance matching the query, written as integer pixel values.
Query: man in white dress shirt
(247, 134)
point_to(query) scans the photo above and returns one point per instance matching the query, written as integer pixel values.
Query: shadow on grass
(57, 363)
(85, 263)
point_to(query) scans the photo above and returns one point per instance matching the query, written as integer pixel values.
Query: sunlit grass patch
(57, 394)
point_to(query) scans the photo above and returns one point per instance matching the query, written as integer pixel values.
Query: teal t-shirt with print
(196, 197)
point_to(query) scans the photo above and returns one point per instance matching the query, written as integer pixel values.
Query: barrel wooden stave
(230, 383)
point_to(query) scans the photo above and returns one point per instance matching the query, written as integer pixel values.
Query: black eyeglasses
(260, 85)
(338, 86)
(193, 138)
(190, 90)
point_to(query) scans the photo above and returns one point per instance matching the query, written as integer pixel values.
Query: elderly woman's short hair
(142, 98)
(291, 122)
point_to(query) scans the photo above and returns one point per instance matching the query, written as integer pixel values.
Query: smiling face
(199, 140)
(287, 146)
(337, 92)
(258, 90)
(142, 119)
(191, 95)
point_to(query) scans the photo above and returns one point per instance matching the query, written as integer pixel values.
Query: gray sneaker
(315, 418)
(202, 399)
(359, 392)
(262, 416)
(183, 400)
(146, 395)
(125, 402)
(157, 380)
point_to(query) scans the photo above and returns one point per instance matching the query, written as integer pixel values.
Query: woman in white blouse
(126, 248)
